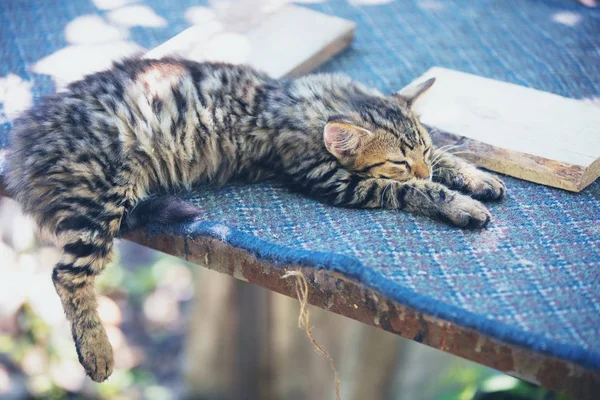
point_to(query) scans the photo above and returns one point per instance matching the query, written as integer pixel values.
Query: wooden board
(338, 294)
(288, 42)
(518, 131)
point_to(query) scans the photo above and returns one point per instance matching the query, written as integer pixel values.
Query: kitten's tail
(162, 210)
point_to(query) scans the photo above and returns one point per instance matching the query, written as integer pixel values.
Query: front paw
(95, 353)
(478, 184)
(464, 212)
(484, 186)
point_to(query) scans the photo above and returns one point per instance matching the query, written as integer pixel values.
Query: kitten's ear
(343, 139)
(411, 93)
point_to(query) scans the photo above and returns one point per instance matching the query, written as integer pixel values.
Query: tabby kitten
(83, 158)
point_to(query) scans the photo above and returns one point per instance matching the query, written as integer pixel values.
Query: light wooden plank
(518, 131)
(288, 42)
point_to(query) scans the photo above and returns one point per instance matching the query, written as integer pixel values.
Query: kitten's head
(382, 138)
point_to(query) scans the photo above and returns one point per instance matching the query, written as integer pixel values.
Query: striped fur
(83, 158)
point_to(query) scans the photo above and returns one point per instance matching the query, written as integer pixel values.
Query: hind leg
(79, 302)
(86, 252)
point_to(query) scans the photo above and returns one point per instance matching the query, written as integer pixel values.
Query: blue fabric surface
(532, 278)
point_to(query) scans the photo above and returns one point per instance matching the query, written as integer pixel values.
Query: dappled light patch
(567, 18)
(126, 356)
(97, 43)
(5, 386)
(178, 280)
(161, 308)
(92, 29)
(310, 1)
(34, 361)
(111, 4)
(109, 311)
(15, 96)
(369, 2)
(11, 295)
(137, 15)
(72, 63)
(115, 337)
(43, 299)
(199, 15)
(23, 234)
(67, 374)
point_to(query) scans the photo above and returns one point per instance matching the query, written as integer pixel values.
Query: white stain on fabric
(15, 97)
(72, 63)
(137, 15)
(92, 29)
(369, 2)
(524, 262)
(221, 231)
(567, 18)
(199, 15)
(112, 4)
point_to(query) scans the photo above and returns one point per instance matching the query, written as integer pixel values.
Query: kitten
(82, 159)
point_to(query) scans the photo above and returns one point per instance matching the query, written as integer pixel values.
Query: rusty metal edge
(338, 294)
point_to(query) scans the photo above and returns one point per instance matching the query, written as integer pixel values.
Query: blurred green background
(174, 333)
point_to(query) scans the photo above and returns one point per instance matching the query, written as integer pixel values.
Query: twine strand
(304, 322)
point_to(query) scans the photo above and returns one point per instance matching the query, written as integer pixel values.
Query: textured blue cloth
(532, 278)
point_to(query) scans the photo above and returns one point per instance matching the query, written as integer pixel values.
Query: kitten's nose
(421, 171)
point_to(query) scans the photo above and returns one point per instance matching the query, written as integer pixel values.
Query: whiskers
(393, 202)
(423, 194)
(440, 172)
(444, 150)
(447, 149)
(463, 152)
(433, 130)
(451, 149)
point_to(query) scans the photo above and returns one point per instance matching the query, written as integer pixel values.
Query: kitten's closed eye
(370, 167)
(401, 163)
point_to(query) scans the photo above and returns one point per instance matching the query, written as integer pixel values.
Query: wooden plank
(288, 42)
(514, 130)
(340, 295)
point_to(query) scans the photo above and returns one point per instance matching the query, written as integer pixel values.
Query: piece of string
(304, 321)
